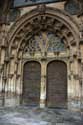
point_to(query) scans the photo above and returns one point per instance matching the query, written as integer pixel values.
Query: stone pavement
(36, 116)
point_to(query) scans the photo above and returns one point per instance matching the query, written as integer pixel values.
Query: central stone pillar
(43, 85)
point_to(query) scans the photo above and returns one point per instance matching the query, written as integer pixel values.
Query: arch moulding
(34, 21)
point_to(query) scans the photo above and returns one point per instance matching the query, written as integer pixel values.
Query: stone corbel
(41, 8)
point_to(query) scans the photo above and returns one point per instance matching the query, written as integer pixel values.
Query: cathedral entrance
(31, 85)
(56, 84)
(45, 46)
(42, 36)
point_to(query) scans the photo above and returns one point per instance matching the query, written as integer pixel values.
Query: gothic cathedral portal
(44, 44)
(41, 59)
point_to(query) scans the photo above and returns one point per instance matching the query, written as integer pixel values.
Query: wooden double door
(56, 85)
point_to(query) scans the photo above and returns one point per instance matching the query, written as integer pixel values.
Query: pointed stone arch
(52, 19)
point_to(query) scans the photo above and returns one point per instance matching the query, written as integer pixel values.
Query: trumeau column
(43, 84)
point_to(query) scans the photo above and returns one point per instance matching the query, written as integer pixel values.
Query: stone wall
(13, 37)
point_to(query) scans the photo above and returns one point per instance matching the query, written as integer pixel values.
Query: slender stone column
(77, 85)
(69, 84)
(71, 68)
(20, 74)
(43, 85)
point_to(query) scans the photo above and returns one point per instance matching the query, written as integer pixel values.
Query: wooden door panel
(31, 83)
(56, 84)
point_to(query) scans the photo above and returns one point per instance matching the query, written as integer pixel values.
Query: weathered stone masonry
(17, 48)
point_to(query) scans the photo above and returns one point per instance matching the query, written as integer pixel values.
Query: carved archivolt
(34, 22)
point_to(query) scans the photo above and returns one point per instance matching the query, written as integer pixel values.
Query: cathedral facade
(41, 52)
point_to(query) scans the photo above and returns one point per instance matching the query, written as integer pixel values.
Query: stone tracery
(45, 21)
(44, 42)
